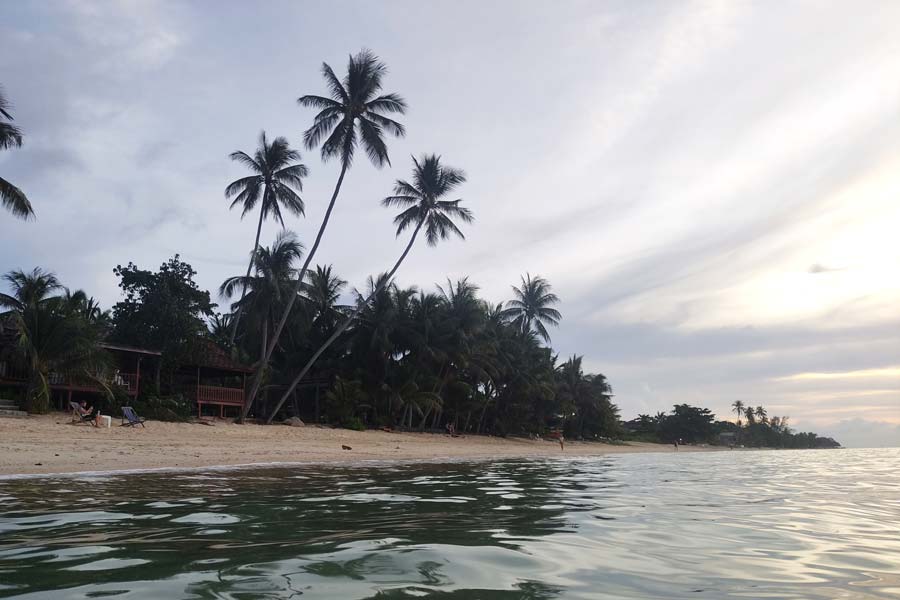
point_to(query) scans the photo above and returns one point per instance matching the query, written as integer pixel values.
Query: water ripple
(803, 524)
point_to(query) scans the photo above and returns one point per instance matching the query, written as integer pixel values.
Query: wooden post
(137, 380)
(197, 397)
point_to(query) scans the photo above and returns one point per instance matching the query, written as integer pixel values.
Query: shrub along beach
(292, 340)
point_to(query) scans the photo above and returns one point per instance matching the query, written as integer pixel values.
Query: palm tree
(276, 176)
(750, 414)
(11, 198)
(53, 335)
(532, 306)
(322, 292)
(738, 407)
(270, 285)
(761, 414)
(353, 114)
(423, 208)
(220, 328)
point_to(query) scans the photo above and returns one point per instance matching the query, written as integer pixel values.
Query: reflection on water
(801, 524)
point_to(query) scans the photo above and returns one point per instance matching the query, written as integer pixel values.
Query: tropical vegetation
(354, 113)
(57, 333)
(11, 198)
(691, 424)
(276, 179)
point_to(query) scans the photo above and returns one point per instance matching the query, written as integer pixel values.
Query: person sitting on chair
(89, 414)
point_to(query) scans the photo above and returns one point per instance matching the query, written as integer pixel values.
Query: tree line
(419, 359)
(691, 424)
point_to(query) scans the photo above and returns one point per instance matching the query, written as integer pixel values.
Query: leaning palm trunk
(237, 317)
(347, 322)
(276, 333)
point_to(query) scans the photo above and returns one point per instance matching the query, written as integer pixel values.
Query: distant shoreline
(49, 445)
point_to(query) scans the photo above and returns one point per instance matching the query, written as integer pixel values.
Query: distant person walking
(676, 445)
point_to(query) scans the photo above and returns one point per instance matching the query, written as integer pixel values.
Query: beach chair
(133, 419)
(77, 415)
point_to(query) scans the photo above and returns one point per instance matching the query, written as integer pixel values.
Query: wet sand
(50, 444)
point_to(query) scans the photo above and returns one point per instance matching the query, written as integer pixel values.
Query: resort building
(209, 378)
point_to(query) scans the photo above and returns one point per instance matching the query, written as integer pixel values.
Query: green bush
(164, 408)
(354, 423)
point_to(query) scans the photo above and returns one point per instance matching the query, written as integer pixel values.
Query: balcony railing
(128, 381)
(211, 394)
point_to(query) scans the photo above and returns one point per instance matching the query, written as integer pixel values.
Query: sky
(712, 188)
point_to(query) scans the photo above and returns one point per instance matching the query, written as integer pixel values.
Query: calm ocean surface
(786, 524)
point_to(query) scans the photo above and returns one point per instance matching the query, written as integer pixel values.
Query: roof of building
(123, 348)
(208, 354)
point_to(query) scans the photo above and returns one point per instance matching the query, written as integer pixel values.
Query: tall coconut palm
(738, 407)
(750, 413)
(11, 198)
(264, 293)
(761, 414)
(274, 185)
(532, 306)
(53, 335)
(423, 207)
(353, 114)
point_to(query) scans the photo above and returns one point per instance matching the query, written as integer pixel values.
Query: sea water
(766, 524)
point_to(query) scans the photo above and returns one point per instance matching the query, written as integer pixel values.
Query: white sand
(50, 444)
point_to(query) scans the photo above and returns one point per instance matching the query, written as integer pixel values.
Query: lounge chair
(133, 419)
(77, 415)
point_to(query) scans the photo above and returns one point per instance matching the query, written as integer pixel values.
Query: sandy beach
(51, 444)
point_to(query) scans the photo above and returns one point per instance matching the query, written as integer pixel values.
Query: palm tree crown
(421, 200)
(322, 292)
(11, 198)
(274, 181)
(738, 407)
(354, 112)
(532, 306)
(29, 289)
(274, 271)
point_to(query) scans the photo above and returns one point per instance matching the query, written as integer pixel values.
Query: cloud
(886, 373)
(816, 268)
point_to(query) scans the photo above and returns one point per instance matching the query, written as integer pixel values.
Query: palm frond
(338, 93)
(246, 160)
(239, 185)
(391, 103)
(373, 141)
(14, 200)
(389, 125)
(321, 126)
(10, 136)
(320, 102)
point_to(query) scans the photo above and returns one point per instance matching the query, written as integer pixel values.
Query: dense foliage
(690, 424)
(57, 334)
(163, 310)
(421, 359)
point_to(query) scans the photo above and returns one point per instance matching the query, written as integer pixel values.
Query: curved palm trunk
(237, 317)
(257, 380)
(343, 327)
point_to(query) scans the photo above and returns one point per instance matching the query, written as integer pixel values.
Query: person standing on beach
(676, 445)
